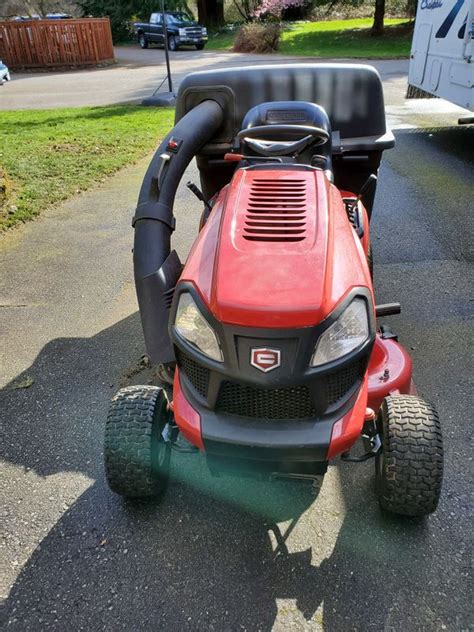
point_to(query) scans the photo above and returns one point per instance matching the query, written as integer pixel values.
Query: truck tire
(409, 469)
(200, 46)
(172, 46)
(142, 40)
(136, 452)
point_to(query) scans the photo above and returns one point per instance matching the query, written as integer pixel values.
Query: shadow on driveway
(211, 555)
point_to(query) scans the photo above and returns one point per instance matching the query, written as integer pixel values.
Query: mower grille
(338, 384)
(292, 402)
(198, 375)
(276, 210)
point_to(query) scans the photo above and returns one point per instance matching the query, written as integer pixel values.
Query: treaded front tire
(409, 469)
(136, 455)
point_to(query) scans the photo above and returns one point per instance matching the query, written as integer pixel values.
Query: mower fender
(347, 430)
(390, 371)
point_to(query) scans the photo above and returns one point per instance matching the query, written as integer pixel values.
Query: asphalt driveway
(137, 74)
(213, 555)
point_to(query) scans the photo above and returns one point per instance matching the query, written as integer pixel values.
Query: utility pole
(163, 99)
(167, 53)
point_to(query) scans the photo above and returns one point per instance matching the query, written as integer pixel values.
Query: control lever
(199, 194)
(164, 160)
(368, 185)
(239, 157)
(387, 309)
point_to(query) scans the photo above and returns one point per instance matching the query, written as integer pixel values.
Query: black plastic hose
(152, 238)
(157, 269)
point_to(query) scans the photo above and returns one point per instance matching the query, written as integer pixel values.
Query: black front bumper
(280, 419)
(287, 446)
(191, 40)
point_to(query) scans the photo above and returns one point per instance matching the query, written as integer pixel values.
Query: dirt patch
(141, 372)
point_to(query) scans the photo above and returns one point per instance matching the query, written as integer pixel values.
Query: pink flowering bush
(275, 8)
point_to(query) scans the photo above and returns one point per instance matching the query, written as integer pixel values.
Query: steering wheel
(257, 138)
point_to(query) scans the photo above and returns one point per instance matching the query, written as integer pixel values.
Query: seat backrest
(287, 112)
(294, 113)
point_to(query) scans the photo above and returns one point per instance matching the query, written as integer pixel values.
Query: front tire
(142, 40)
(136, 452)
(200, 46)
(409, 469)
(172, 46)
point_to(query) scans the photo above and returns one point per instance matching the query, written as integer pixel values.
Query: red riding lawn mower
(267, 342)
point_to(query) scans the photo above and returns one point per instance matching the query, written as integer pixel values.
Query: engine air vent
(276, 210)
(168, 296)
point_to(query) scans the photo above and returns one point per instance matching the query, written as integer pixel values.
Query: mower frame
(381, 404)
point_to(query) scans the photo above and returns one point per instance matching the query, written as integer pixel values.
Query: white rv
(442, 53)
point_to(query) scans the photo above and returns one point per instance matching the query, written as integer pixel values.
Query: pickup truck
(181, 29)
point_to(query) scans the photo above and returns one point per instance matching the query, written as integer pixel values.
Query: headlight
(204, 31)
(194, 328)
(182, 32)
(349, 331)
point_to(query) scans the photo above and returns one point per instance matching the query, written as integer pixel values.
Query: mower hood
(268, 256)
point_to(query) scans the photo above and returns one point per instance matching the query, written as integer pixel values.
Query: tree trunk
(202, 11)
(377, 26)
(210, 12)
(220, 12)
(412, 6)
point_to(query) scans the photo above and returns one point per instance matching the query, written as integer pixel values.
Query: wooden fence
(55, 43)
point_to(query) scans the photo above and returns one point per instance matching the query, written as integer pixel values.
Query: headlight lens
(182, 32)
(349, 331)
(194, 328)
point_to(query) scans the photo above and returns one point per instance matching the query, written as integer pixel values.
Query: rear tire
(136, 455)
(142, 40)
(409, 469)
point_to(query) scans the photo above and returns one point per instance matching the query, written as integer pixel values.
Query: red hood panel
(275, 258)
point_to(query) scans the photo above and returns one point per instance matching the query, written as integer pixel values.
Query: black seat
(293, 113)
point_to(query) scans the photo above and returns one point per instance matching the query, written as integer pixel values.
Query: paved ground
(137, 74)
(208, 557)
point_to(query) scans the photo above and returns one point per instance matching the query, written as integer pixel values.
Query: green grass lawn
(337, 38)
(48, 155)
